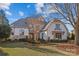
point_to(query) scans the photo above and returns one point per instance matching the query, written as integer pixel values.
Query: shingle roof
(19, 23)
(24, 22)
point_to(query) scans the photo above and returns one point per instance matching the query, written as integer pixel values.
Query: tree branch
(60, 12)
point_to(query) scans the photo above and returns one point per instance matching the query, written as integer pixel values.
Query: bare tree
(35, 26)
(70, 12)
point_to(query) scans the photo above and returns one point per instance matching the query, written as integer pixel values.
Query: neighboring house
(26, 27)
(54, 30)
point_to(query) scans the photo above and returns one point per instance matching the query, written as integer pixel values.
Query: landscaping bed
(71, 48)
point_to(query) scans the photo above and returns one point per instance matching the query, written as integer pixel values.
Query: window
(12, 33)
(58, 36)
(21, 32)
(57, 27)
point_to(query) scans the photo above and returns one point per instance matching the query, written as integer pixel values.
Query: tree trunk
(35, 37)
(77, 32)
(77, 36)
(77, 27)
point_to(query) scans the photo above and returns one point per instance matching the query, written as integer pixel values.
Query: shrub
(58, 41)
(72, 37)
(4, 31)
(22, 40)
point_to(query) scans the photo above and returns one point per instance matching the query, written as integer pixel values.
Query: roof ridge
(18, 20)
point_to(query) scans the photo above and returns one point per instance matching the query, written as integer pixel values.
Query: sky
(15, 11)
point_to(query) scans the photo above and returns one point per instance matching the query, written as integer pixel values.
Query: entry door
(31, 36)
(42, 35)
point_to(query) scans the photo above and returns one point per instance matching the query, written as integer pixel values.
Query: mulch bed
(69, 48)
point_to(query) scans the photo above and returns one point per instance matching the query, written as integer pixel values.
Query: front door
(42, 35)
(31, 36)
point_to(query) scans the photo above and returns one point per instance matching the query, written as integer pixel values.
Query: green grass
(21, 52)
(25, 49)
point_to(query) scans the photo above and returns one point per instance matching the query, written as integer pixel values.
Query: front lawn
(25, 49)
